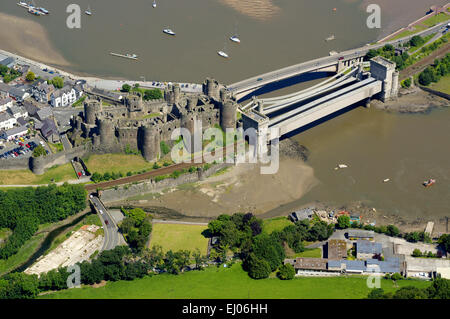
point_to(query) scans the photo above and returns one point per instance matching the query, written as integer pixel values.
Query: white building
(7, 121)
(5, 103)
(65, 96)
(15, 132)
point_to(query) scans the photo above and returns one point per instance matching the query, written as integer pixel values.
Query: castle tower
(150, 143)
(228, 114)
(223, 94)
(191, 103)
(176, 93)
(91, 107)
(211, 88)
(134, 103)
(106, 130)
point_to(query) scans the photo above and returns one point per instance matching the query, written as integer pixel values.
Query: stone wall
(130, 190)
(14, 163)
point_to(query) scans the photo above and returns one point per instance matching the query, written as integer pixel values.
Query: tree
(407, 83)
(153, 94)
(377, 293)
(371, 54)
(30, 76)
(444, 242)
(57, 82)
(96, 177)
(416, 41)
(286, 272)
(343, 222)
(426, 77)
(439, 289)
(39, 151)
(396, 276)
(417, 253)
(392, 231)
(126, 88)
(410, 292)
(258, 268)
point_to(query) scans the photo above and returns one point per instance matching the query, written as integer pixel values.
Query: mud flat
(413, 100)
(29, 39)
(241, 188)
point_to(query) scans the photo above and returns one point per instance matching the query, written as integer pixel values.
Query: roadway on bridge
(316, 64)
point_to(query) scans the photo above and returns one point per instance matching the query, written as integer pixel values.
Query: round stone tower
(228, 114)
(37, 165)
(150, 143)
(223, 94)
(176, 93)
(106, 132)
(91, 107)
(211, 88)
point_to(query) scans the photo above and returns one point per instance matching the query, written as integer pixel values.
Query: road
(320, 63)
(112, 235)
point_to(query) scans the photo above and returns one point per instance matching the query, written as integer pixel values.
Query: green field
(406, 33)
(436, 19)
(22, 255)
(443, 85)
(309, 253)
(233, 282)
(179, 237)
(60, 173)
(117, 163)
(278, 223)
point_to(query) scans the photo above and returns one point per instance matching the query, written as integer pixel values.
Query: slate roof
(44, 113)
(49, 128)
(5, 100)
(17, 130)
(360, 233)
(368, 247)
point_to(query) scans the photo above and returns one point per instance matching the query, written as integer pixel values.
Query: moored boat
(168, 31)
(223, 54)
(429, 182)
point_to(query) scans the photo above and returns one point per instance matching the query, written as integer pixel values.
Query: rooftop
(368, 247)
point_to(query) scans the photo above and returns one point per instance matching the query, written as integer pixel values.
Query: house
(367, 250)
(15, 132)
(44, 113)
(302, 214)
(19, 93)
(336, 249)
(66, 96)
(42, 92)
(5, 103)
(309, 264)
(357, 234)
(18, 111)
(390, 265)
(50, 131)
(30, 108)
(7, 121)
(4, 90)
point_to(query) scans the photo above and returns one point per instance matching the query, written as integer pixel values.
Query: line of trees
(136, 228)
(439, 289)
(120, 263)
(23, 210)
(8, 74)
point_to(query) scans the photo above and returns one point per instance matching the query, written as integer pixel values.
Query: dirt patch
(29, 39)
(100, 284)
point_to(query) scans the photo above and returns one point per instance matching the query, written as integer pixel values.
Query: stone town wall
(129, 190)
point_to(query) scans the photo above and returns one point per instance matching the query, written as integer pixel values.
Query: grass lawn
(26, 177)
(443, 85)
(278, 223)
(57, 147)
(436, 19)
(406, 33)
(310, 253)
(117, 163)
(22, 255)
(179, 237)
(233, 282)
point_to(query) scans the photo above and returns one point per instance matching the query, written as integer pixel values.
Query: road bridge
(295, 110)
(333, 63)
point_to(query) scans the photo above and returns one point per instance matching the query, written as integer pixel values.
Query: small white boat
(168, 31)
(154, 4)
(43, 10)
(331, 37)
(340, 166)
(386, 180)
(88, 11)
(235, 38)
(222, 54)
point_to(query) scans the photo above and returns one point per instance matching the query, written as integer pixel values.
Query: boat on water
(22, 4)
(154, 4)
(340, 166)
(34, 11)
(127, 55)
(330, 38)
(43, 10)
(235, 38)
(386, 180)
(88, 11)
(168, 31)
(429, 182)
(223, 54)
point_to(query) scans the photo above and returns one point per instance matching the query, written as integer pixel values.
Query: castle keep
(142, 125)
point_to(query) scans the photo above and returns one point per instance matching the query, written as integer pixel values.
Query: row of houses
(47, 94)
(11, 114)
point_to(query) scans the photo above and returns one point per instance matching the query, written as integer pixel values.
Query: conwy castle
(142, 125)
